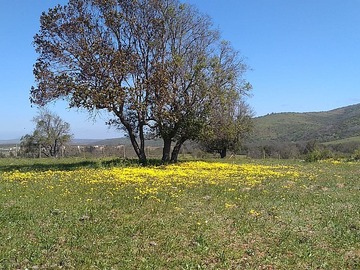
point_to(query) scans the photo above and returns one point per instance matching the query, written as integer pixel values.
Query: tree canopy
(155, 65)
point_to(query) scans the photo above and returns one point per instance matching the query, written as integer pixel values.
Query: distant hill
(9, 142)
(339, 125)
(336, 126)
(83, 141)
(126, 141)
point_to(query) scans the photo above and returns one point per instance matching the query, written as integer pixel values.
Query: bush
(356, 155)
(316, 155)
(313, 156)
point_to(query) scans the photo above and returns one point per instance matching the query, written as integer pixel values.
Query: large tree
(50, 135)
(91, 55)
(148, 62)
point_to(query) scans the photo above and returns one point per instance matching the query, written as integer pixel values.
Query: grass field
(239, 214)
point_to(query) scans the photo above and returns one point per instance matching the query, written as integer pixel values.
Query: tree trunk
(142, 158)
(176, 150)
(142, 152)
(223, 152)
(139, 149)
(166, 150)
(55, 149)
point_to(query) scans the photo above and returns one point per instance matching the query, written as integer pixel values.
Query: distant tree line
(307, 150)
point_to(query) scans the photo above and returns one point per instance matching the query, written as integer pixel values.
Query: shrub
(316, 155)
(356, 155)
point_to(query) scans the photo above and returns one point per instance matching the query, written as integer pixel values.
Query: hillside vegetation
(329, 126)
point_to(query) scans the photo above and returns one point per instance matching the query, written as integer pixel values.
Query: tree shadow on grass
(70, 165)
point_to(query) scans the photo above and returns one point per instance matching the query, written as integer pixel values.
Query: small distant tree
(29, 147)
(228, 125)
(50, 135)
(229, 118)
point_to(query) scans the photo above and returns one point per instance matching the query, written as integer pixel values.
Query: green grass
(310, 223)
(355, 139)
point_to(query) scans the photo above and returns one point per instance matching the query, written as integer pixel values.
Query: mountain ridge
(325, 126)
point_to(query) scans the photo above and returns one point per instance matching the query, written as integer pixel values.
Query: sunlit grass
(191, 215)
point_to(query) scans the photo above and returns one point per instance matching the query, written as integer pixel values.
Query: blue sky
(304, 55)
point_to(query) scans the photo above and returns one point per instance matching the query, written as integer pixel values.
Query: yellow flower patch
(151, 181)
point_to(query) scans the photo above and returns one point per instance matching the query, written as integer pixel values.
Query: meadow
(238, 214)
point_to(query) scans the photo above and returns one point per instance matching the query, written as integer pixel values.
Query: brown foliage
(148, 62)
